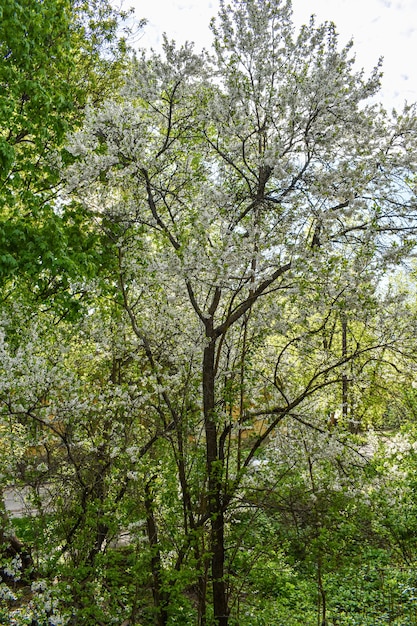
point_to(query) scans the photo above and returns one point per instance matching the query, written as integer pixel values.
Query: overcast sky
(385, 28)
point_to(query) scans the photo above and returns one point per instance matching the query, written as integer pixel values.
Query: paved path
(14, 500)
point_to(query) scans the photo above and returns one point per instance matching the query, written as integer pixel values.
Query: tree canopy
(56, 57)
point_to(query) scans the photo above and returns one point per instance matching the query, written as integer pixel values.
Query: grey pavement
(14, 500)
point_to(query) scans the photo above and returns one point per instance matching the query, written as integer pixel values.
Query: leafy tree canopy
(55, 57)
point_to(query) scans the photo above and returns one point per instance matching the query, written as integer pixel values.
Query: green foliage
(56, 56)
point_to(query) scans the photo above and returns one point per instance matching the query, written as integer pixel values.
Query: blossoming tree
(251, 198)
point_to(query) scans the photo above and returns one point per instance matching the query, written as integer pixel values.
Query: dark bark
(159, 596)
(202, 592)
(10, 547)
(344, 377)
(214, 469)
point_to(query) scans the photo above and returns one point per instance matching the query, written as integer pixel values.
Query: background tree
(56, 56)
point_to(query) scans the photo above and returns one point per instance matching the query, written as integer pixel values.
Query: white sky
(385, 28)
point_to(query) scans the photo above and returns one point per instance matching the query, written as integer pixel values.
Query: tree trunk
(344, 377)
(214, 470)
(11, 546)
(159, 596)
(202, 593)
